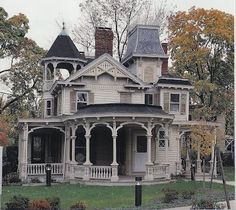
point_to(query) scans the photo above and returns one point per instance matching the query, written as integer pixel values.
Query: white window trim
(152, 94)
(46, 108)
(77, 98)
(175, 103)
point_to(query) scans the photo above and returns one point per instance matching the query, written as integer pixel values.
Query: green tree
(201, 43)
(24, 76)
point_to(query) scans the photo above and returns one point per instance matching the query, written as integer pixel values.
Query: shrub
(187, 194)
(12, 178)
(79, 205)
(17, 203)
(206, 204)
(170, 195)
(39, 204)
(35, 180)
(54, 203)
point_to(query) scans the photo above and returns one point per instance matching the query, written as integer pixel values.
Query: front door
(140, 153)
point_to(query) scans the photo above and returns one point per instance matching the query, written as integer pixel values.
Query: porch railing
(100, 172)
(161, 171)
(39, 169)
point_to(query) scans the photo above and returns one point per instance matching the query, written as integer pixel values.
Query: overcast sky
(44, 15)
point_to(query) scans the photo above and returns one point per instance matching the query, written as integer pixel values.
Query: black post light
(138, 191)
(48, 174)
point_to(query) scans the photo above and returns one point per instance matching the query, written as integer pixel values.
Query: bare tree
(120, 15)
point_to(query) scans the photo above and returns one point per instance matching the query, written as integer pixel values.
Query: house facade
(107, 120)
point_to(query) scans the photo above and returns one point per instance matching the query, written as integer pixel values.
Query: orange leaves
(4, 130)
(202, 139)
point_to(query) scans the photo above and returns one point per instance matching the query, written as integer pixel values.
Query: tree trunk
(204, 169)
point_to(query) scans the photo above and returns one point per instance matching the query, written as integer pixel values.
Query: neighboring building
(108, 120)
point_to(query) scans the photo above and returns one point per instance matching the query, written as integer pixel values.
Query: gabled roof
(99, 60)
(63, 47)
(143, 41)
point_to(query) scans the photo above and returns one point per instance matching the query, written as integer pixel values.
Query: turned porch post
(25, 151)
(114, 164)
(87, 162)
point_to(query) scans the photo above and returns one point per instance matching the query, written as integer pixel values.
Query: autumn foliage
(202, 138)
(4, 130)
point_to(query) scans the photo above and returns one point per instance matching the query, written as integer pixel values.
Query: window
(80, 146)
(149, 99)
(48, 107)
(174, 102)
(82, 99)
(161, 138)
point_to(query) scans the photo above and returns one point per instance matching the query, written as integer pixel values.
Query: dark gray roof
(173, 81)
(120, 108)
(63, 47)
(144, 40)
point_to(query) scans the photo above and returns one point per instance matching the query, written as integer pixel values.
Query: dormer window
(149, 99)
(82, 99)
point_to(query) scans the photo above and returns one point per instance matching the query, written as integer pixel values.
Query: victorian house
(108, 120)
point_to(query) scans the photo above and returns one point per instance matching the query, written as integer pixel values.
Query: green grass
(229, 173)
(100, 197)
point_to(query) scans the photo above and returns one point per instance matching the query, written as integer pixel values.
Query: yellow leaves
(202, 139)
(4, 130)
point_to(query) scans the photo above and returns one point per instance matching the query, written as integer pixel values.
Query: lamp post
(48, 174)
(138, 191)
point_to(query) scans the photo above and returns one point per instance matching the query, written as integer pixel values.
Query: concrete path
(232, 183)
(232, 206)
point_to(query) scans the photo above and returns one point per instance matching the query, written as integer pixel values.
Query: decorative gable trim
(105, 64)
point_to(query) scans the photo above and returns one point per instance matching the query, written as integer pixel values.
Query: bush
(206, 204)
(170, 195)
(187, 194)
(54, 203)
(17, 203)
(12, 178)
(35, 180)
(39, 204)
(79, 205)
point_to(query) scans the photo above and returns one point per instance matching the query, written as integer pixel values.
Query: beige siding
(125, 98)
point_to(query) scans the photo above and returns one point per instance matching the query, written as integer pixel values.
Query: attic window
(82, 99)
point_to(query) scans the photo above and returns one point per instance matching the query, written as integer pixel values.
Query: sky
(46, 16)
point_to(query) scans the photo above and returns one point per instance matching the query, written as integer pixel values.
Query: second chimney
(103, 41)
(164, 67)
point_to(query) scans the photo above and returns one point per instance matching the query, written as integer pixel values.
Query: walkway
(232, 206)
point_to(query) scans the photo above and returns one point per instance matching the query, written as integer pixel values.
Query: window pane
(161, 134)
(174, 97)
(162, 143)
(48, 104)
(141, 144)
(148, 99)
(82, 97)
(174, 107)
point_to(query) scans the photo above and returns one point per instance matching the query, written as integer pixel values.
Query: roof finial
(63, 31)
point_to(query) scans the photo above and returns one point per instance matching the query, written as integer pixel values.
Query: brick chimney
(164, 67)
(103, 41)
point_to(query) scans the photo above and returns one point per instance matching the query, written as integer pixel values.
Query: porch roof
(122, 109)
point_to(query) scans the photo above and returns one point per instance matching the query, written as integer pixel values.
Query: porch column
(73, 148)
(149, 164)
(199, 168)
(87, 163)
(114, 164)
(25, 151)
(166, 143)
(54, 71)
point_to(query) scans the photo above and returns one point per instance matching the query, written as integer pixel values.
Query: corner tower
(145, 54)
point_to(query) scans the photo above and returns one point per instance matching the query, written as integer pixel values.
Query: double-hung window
(48, 107)
(82, 99)
(174, 102)
(149, 99)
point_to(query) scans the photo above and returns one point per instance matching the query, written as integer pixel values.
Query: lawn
(101, 197)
